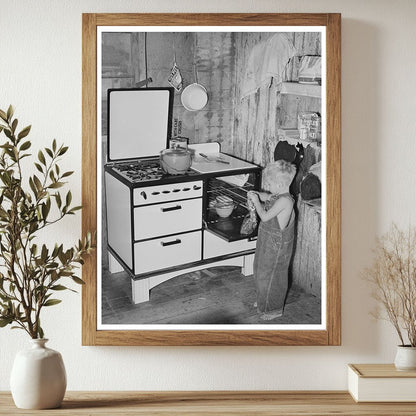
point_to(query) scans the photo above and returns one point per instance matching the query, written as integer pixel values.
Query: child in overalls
(275, 238)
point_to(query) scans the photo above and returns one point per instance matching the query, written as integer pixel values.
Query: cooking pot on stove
(175, 161)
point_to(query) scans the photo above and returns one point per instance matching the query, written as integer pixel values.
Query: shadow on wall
(361, 187)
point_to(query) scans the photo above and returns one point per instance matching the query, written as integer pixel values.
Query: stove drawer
(167, 252)
(170, 218)
(215, 246)
(167, 192)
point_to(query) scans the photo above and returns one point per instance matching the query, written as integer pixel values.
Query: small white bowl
(224, 211)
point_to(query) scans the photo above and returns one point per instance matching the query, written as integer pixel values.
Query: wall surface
(259, 115)
(128, 58)
(40, 74)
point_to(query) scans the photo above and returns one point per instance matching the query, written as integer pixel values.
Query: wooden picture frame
(331, 334)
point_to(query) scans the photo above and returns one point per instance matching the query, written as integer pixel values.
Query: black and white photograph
(212, 145)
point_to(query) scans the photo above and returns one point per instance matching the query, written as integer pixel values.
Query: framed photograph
(211, 172)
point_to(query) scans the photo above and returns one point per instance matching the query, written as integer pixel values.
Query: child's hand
(253, 197)
(250, 195)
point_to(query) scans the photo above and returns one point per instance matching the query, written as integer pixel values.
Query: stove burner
(140, 170)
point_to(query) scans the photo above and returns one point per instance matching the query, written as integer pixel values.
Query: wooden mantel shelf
(178, 403)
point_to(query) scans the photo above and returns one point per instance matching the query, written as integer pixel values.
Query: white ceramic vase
(405, 358)
(38, 377)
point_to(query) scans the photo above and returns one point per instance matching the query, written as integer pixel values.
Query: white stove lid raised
(139, 122)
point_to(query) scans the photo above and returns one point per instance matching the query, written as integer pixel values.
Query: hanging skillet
(194, 97)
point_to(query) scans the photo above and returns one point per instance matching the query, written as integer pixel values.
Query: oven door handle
(170, 243)
(174, 208)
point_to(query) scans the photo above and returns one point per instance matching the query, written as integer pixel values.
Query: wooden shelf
(306, 90)
(212, 403)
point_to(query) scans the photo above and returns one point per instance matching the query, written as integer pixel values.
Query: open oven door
(226, 223)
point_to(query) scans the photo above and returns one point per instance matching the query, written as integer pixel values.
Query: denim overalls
(271, 262)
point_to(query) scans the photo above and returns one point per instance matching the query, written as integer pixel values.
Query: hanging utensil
(194, 97)
(175, 77)
(143, 83)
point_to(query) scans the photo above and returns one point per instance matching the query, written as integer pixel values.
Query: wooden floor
(220, 295)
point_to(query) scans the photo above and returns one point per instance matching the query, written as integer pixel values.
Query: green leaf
(34, 249)
(59, 287)
(51, 302)
(37, 182)
(77, 208)
(56, 185)
(24, 132)
(5, 321)
(5, 145)
(39, 167)
(41, 157)
(33, 187)
(25, 145)
(54, 145)
(14, 125)
(58, 199)
(49, 152)
(76, 279)
(8, 133)
(45, 211)
(25, 155)
(10, 112)
(4, 298)
(55, 251)
(3, 115)
(40, 331)
(62, 150)
(62, 257)
(69, 173)
(44, 253)
(68, 199)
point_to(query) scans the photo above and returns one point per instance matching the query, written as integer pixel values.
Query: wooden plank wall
(257, 118)
(117, 65)
(306, 266)
(124, 64)
(259, 115)
(213, 54)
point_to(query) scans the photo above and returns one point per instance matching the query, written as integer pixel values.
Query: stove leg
(140, 290)
(113, 265)
(247, 269)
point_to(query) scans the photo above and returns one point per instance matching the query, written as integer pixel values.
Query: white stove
(159, 225)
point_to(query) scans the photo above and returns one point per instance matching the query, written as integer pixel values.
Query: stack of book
(381, 383)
